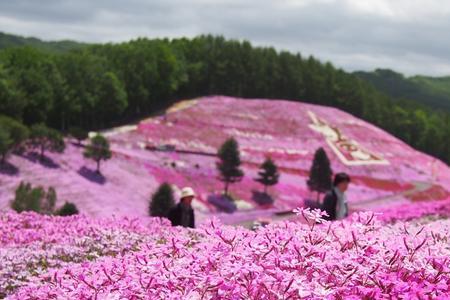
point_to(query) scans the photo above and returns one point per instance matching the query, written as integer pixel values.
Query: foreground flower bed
(411, 211)
(137, 259)
(31, 244)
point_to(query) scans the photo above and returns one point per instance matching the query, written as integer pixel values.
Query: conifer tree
(268, 175)
(229, 163)
(320, 173)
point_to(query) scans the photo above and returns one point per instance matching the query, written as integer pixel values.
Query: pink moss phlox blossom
(120, 258)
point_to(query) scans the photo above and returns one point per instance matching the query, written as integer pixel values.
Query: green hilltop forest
(10, 40)
(100, 85)
(430, 91)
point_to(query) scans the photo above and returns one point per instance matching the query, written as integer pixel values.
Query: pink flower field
(394, 245)
(78, 257)
(386, 172)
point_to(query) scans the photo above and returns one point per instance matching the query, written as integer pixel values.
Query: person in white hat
(183, 214)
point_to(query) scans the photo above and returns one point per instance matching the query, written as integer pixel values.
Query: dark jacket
(182, 215)
(329, 205)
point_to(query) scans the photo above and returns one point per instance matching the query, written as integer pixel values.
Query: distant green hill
(10, 40)
(430, 91)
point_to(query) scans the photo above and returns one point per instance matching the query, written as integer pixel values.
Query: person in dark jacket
(335, 201)
(182, 214)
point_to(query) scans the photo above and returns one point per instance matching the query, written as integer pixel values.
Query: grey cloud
(361, 34)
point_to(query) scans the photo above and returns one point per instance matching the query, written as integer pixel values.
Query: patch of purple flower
(359, 258)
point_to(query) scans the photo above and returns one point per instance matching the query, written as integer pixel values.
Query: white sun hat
(187, 192)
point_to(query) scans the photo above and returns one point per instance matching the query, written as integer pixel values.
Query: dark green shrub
(27, 198)
(36, 199)
(162, 201)
(68, 209)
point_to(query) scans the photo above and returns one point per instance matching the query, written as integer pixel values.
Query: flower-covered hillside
(180, 146)
(383, 169)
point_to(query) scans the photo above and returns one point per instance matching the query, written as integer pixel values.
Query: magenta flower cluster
(45, 257)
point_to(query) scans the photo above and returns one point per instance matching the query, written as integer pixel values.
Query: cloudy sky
(411, 36)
